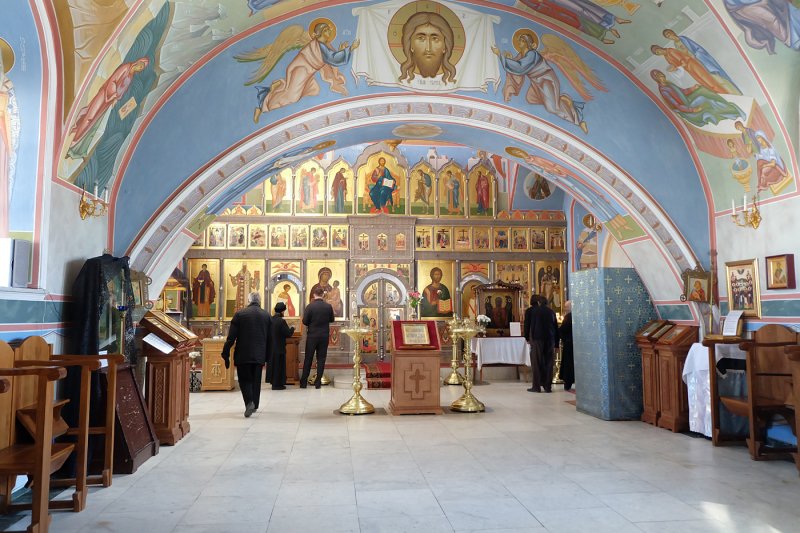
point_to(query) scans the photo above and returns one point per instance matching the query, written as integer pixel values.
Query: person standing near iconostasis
(276, 366)
(567, 372)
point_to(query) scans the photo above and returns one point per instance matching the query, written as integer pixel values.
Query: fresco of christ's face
(427, 50)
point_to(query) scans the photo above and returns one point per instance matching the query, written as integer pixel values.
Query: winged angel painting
(316, 55)
(535, 62)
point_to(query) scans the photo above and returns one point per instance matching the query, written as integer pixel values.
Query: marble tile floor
(530, 463)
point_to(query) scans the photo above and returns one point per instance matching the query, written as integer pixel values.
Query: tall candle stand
(454, 378)
(468, 403)
(357, 405)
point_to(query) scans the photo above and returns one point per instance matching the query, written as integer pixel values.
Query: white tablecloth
(695, 375)
(503, 350)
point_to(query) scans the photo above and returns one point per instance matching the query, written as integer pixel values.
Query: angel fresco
(315, 55)
(545, 87)
(583, 15)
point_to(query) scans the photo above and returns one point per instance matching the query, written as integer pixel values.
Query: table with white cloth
(500, 351)
(697, 379)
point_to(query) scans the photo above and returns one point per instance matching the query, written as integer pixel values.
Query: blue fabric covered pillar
(609, 305)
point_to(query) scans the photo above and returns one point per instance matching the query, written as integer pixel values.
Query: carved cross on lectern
(418, 374)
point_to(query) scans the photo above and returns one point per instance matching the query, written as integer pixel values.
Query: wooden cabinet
(645, 339)
(292, 355)
(415, 382)
(215, 375)
(671, 394)
(167, 387)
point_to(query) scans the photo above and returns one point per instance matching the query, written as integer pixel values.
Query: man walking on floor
(317, 318)
(250, 330)
(541, 331)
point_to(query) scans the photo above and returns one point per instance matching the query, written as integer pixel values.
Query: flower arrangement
(414, 298)
(483, 320)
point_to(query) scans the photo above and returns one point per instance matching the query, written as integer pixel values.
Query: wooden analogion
(167, 348)
(415, 368)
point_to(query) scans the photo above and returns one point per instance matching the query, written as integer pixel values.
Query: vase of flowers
(413, 302)
(483, 322)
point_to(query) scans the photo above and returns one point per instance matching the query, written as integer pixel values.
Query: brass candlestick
(357, 405)
(468, 403)
(454, 378)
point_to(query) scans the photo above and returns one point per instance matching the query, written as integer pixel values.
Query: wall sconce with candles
(93, 207)
(746, 216)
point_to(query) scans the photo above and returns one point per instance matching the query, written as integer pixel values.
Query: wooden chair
(36, 351)
(42, 457)
(793, 353)
(769, 388)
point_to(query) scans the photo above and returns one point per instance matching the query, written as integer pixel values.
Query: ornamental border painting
(436, 306)
(204, 305)
(741, 280)
(238, 287)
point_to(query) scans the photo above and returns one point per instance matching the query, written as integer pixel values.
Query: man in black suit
(250, 330)
(316, 318)
(541, 331)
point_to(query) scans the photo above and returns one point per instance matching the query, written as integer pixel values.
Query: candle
(95, 189)
(105, 195)
(733, 206)
(744, 203)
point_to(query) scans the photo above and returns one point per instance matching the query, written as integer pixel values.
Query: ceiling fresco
(653, 115)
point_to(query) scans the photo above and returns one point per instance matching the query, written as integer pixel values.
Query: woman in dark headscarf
(567, 372)
(276, 367)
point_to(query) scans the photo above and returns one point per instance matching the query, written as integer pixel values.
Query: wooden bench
(793, 353)
(36, 351)
(41, 457)
(769, 388)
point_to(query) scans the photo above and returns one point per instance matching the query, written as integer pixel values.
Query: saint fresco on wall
(585, 16)
(766, 21)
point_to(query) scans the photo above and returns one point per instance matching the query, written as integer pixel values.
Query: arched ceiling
(182, 138)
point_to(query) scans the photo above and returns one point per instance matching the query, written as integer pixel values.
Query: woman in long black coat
(567, 359)
(276, 368)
